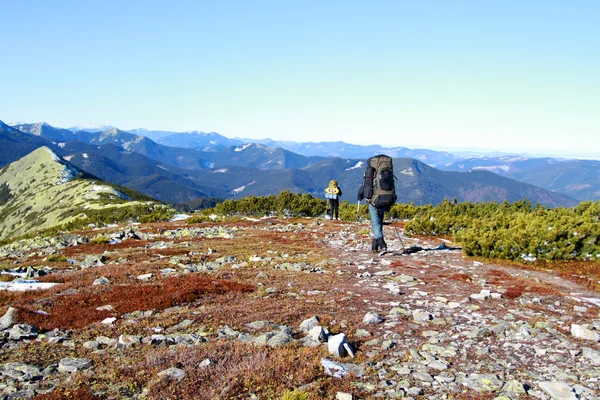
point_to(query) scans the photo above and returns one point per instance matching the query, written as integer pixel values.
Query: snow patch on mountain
(493, 168)
(357, 165)
(244, 147)
(241, 188)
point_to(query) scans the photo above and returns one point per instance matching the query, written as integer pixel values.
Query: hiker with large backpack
(333, 194)
(379, 190)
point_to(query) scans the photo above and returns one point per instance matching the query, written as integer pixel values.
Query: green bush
(100, 239)
(56, 258)
(514, 230)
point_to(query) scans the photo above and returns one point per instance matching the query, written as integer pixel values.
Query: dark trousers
(334, 205)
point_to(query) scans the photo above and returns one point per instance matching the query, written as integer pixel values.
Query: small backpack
(332, 190)
(380, 173)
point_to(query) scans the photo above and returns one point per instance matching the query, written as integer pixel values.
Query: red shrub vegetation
(514, 292)
(79, 310)
(63, 394)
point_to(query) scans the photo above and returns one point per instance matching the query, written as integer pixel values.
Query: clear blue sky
(503, 75)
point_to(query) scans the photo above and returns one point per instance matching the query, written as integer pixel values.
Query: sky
(509, 75)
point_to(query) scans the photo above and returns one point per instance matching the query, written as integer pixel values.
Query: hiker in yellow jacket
(333, 194)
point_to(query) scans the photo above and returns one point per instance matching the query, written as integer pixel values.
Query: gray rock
(102, 281)
(558, 390)
(8, 319)
(21, 394)
(227, 332)
(172, 374)
(308, 324)
(259, 325)
(437, 364)
(280, 339)
(205, 363)
(180, 326)
(423, 376)
(22, 331)
(592, 355)
(343, 396)
(372, 318)
(21, 371)
(158, 340)
(483, 382)
(74, 364)
(145, 277)
(103, 340)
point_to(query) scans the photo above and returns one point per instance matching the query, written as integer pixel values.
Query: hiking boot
(381, 244)
(374, 245)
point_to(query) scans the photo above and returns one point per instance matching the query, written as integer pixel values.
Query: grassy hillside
(41, 191)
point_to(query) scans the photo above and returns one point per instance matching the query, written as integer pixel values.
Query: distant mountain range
(208, 164)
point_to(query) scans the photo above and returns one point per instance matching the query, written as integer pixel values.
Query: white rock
(583, 333)
(336, 347)
(172, 374)
(421, 316)
(318, 334)
(558, 390)
(145, 277)
(108, 321)
(372, 318)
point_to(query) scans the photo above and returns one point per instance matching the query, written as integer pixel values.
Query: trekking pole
(397, 233)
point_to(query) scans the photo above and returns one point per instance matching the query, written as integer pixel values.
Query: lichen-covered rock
(483, 382)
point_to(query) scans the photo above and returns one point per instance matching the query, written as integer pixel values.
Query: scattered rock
(23, 331)
(338, 346)
(173, 374)
(558, 390)
(74, 364)
(583, 333)
(421, 316)
(309, 323)
(101, 281)
(8, 319)
(372, 318)
(483, 382)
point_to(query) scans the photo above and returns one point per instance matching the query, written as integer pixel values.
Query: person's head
(333, 183)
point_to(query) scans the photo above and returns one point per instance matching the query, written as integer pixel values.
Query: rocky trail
(246, 309)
